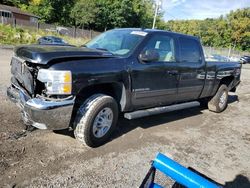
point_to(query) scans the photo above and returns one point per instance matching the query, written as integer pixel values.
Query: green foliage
(84, 12)
(10, 35)
(232, 30)
(114, 13)
(16, 36)
(14, 2)
(95, 14)
(50, 11)
(123, 13)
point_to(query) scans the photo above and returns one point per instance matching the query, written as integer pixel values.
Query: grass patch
(17, 36)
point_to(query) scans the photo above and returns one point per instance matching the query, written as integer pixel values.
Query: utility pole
(158, 3)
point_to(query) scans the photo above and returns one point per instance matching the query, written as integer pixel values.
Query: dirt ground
(217, 145)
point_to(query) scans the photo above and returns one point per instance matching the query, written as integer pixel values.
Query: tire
(219, 102)
(203, 102)
(96, 120)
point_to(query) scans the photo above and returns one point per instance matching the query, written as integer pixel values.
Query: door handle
(173, 72)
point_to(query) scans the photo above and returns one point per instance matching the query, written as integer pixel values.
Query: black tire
(219, 102)
(98, 108)
(204, 102)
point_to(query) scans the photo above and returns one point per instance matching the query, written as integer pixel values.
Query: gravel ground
(217, 145)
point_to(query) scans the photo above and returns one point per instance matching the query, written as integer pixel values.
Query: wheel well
(115, 90)
(227, 80)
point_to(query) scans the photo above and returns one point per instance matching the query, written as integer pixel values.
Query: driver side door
(154, 83)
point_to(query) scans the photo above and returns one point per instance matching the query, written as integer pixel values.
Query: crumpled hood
(43, 54)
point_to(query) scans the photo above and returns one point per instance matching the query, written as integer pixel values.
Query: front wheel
(95, 120)
(219, 102)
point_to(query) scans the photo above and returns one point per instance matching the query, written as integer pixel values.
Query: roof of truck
(157, 31)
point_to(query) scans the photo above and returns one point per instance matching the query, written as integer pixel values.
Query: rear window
(189, 50)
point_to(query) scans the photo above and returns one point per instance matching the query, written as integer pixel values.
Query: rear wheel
(219, 102)
(95, 120)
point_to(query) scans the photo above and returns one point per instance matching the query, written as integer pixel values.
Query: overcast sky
(200, 9)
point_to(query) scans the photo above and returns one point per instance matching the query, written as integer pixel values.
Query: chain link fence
(69, 31)
(223, 54)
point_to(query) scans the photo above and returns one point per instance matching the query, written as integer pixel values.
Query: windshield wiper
(85, 46)
(103, 49)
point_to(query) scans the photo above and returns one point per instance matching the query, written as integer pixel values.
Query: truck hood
(43, 54)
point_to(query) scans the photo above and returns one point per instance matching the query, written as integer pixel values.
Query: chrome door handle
(173, 72)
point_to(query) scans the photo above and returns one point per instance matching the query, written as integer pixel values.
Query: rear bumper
(42, 113)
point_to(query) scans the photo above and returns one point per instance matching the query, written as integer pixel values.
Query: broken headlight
(56, 82)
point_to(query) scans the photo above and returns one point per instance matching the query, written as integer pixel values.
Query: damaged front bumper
(42, 113)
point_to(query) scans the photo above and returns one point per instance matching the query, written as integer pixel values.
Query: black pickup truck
(122, 71)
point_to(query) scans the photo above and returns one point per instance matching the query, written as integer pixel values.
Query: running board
(160, 110)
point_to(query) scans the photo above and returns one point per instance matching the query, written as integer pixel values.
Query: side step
(160, 110)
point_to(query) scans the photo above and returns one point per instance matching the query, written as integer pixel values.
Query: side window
(189, 50)
(164, 46)
(5, 14)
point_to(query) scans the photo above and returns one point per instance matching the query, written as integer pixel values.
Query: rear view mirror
(149, 55)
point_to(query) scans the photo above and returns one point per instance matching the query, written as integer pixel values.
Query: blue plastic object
(154, 185)
(181, 174)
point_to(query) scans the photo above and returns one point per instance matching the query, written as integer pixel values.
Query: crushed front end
(40, 105)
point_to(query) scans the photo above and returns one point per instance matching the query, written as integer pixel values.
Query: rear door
(191, 67)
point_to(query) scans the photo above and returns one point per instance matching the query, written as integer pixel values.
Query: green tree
(231, 30)
(14, 2)
(239, 21)
(96, 14)
(84, 12)
(114, 13)
(124, 13)
(50, 11)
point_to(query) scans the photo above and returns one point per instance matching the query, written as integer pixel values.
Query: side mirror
(149, 55)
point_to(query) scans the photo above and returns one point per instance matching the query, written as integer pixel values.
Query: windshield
(118, 42)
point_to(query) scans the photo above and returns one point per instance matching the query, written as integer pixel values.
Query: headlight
(56, 82)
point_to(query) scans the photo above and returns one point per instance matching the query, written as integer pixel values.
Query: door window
(189, 50)
(163, 45)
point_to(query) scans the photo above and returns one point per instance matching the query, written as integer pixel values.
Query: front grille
(22, 73)
(16, 66)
